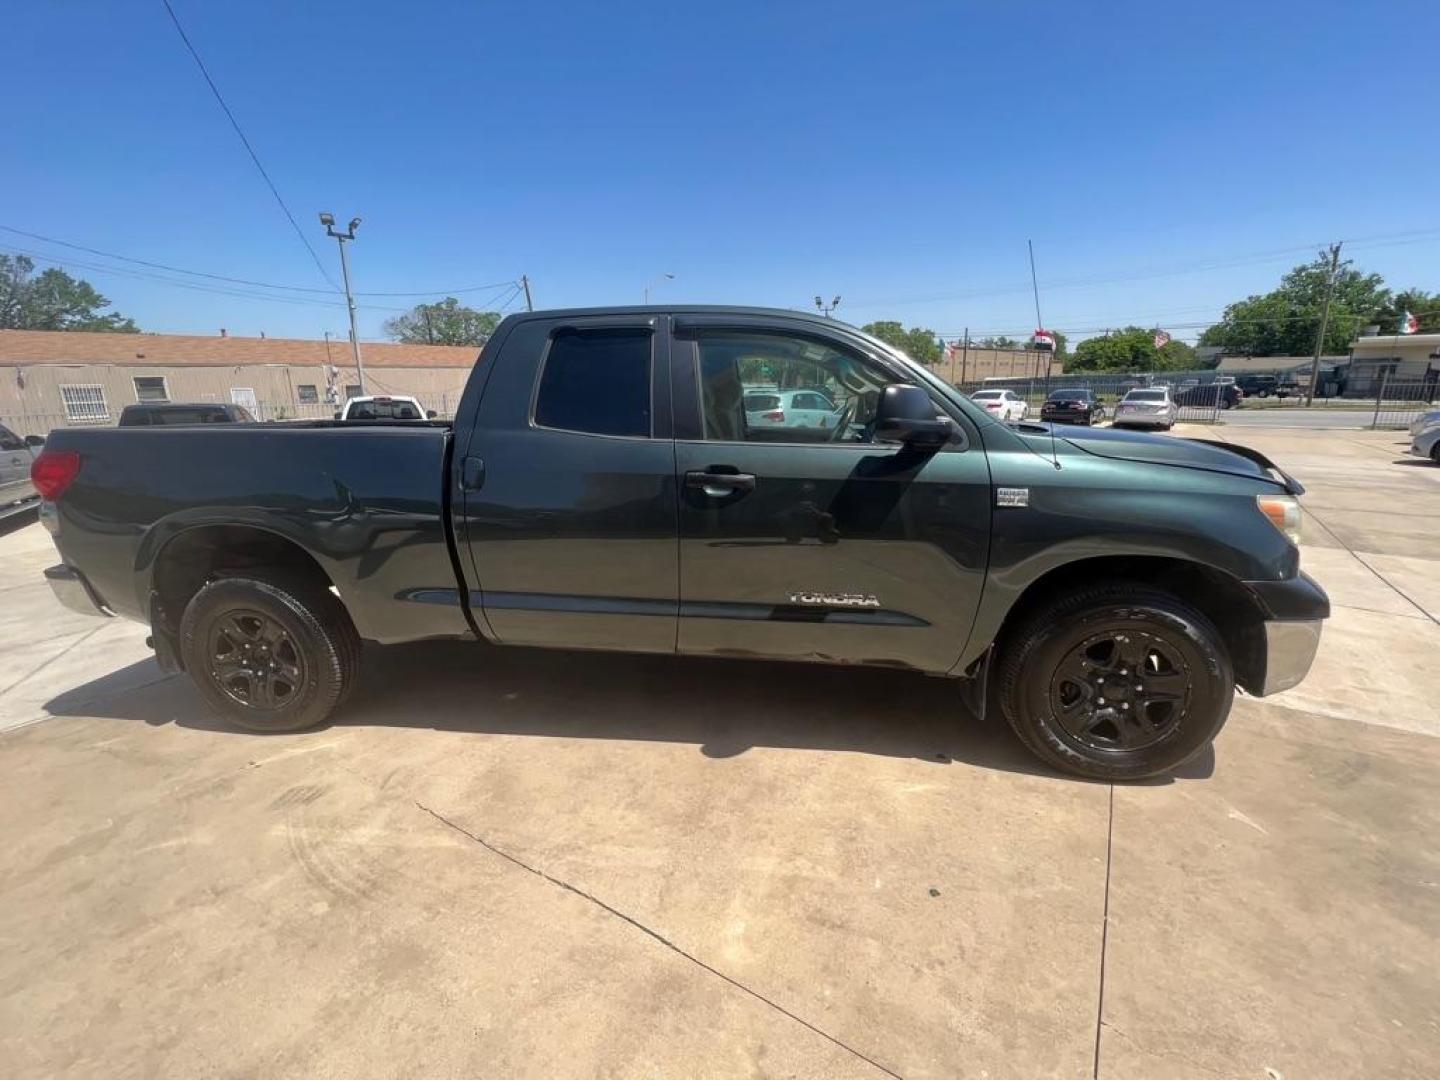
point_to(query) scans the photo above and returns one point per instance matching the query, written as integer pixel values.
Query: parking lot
(506, 862)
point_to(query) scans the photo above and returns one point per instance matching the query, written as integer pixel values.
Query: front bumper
(1295, 608)
(72, 590)
(1290, 649)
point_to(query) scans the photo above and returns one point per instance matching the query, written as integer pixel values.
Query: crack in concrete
(562, 884)
(1104, 934)
(50, 660)
(1355, 555)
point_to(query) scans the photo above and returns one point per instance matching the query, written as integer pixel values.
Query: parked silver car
(1427, 419)
(17, 494)
(1147, 407)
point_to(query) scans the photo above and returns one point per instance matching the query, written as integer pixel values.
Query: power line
(496, 285)
(193, 286)
(1197, 266)
(248, 148)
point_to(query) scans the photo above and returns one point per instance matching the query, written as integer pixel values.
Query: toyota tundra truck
(602, 486)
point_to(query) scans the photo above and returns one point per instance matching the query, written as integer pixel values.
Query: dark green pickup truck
(710, 481)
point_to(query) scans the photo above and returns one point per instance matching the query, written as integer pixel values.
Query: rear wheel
(269, 655)
(1116, 682)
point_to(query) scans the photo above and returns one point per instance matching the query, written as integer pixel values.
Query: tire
(269, 654)
(1056, 655)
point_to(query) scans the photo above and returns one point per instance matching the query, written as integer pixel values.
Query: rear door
(818, 543)
(568, 486)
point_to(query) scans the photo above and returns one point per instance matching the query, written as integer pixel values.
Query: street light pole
(656, 283)
(328, 220)
(824, 308)
(1324, 323)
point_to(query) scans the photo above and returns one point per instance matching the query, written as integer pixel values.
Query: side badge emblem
(1012, 496)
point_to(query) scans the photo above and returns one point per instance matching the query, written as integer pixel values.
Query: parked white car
(396, 407)
(1147, 407)
(789, 409)
(1004, 405)
(1427, 419)
(1426, 442)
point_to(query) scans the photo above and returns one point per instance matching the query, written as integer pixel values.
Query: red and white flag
(1409, 324)
(1044, 339)
(1161, 339)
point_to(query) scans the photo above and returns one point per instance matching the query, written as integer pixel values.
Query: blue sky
(1164, 161)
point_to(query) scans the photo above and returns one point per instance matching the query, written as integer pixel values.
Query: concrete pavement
(1317, 418)
(512, 863)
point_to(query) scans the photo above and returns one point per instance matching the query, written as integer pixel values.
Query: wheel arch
(200, 553)
(1223, 598)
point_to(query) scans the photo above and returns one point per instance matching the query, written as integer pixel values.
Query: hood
(1171, 450)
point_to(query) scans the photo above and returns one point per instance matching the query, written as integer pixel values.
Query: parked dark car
(1263, 386)
(1073, 407)
(601, 488)
(178, 413)
(1205, 394)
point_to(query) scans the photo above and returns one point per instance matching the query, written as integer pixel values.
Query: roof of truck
(681, 309)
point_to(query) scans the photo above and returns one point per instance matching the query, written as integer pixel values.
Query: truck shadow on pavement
(725, 707)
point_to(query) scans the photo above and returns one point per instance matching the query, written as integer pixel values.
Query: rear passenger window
(597, 381)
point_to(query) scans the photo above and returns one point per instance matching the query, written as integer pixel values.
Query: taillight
(774, 414)
(54, 471)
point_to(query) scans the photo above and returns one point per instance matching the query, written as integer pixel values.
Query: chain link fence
(1399, 402)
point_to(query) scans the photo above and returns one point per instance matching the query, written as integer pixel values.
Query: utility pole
(525, 284)
(824, 308)
(964, 355)
(1324, 322)
(429, 325)
(328, 220)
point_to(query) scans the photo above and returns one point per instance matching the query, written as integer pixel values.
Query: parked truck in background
(602, 487)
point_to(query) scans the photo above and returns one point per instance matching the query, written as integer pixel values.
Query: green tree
(1001, 342)
(52, 301)
(1425, 306)
(920, 344)
(1131, 349)
(1284, 322)
(447, 323)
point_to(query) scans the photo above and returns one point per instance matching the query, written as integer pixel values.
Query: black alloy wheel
(1115, 681)
(270, 653)
(254, 661)
(1121, 690)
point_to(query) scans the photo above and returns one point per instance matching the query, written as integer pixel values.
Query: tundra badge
(843, 599)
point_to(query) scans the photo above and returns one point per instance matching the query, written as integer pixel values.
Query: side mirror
(906, 414)
(34, 440)
(430, 414)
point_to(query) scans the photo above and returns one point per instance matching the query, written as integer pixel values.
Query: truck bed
(367, 501)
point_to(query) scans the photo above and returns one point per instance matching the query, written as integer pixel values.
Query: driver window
(760, 387)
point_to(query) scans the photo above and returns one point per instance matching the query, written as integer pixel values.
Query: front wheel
(269, 655)
(1116, 682)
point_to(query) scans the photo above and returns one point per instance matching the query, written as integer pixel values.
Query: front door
(818, 543)
(568, 486)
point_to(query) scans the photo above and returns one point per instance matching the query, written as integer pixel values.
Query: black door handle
(472, 474)
(718, 481)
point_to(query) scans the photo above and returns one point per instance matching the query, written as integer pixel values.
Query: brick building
(53, 379)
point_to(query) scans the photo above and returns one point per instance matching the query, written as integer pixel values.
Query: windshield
(1145, 395)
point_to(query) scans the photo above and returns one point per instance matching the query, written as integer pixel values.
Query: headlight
(1282, 511)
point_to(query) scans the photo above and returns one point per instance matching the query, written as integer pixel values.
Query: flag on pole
(1161, 339)
(1044, 340)
(1409, 324)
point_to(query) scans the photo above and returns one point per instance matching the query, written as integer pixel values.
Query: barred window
(85, 403)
